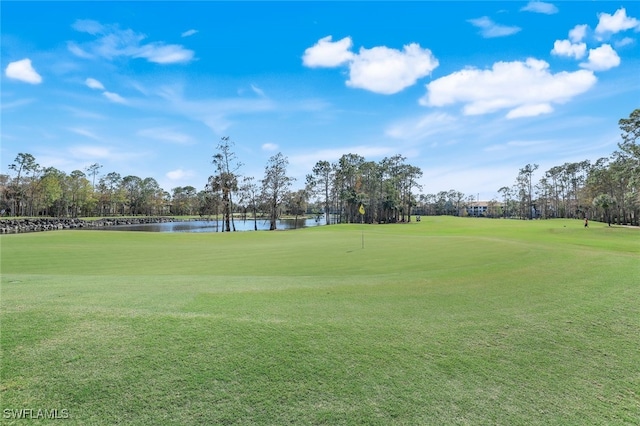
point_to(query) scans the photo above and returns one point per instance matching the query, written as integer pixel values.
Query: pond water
(215, 225)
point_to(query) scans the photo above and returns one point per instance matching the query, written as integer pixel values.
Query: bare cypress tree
(275, 186)
(226, 178)
(249, 195)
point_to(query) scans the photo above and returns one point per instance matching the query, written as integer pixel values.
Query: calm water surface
(214, 225)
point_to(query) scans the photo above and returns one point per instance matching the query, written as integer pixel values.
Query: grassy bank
(445, 321)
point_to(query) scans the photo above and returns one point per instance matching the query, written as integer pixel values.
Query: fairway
(445, 321)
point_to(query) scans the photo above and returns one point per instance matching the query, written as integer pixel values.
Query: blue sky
(470, 92)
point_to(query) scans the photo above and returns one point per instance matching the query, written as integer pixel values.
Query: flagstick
(362, 223)
(361, 210)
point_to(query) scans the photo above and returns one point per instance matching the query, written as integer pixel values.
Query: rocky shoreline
(17, 226)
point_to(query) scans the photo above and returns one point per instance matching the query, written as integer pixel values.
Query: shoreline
(19, 226)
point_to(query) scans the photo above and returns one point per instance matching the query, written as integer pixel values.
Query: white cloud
(84, 132)
(601, 59)
(566, 48)
(23, 70)
(88, 26)
(540, 7)
(379, 69)
(625, 42)
(388, 71)
(164, 54)
(112, 42)
(578, 33)
(530, 110)
(326, 53)
(179, 174)
(522, 88)
(489, 29)
(188, 33)
(616, 23)
(92, 83)
(166, 134)
(269, 147)
(114, 97)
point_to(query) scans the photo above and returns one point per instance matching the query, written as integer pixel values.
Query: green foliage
(443, 321)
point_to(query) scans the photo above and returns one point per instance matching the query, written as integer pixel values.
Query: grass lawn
(448, 321)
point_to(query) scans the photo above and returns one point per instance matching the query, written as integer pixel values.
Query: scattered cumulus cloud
(601, 59)
(578, 33)
(113, 42)
(269, 147)
(92, 83)
(189, 33)
(616, 23)
(573, 47)
(380, 69)
(388, 71)
(329, 54)
(23, 70)
(540, 7)
(567, 48)
(489, 29)
(524, 89)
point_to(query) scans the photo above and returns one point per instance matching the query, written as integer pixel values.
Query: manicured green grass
(445, 321)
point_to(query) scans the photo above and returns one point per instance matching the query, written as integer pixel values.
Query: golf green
(443, 321)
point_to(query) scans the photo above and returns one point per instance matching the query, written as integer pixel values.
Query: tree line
(388, 190)
(607, 189)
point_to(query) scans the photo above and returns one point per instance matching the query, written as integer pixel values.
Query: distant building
(484, 208)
